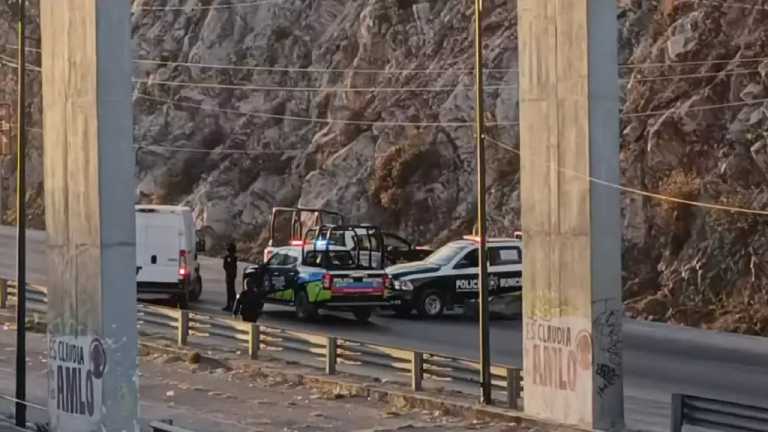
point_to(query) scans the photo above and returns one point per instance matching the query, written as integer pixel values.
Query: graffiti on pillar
(559, 354)
(76, 368)
(607, 324)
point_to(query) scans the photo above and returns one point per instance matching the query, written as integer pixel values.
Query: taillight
(327, 281)
(387, 281)
(183, 266)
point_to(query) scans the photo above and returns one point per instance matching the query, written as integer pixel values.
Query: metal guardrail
(333, 351)
(9, 423)
(166, 426)
(716, 415)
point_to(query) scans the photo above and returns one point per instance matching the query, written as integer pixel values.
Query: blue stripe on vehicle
(311, 277)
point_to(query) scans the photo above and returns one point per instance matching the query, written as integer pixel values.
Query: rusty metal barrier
(332, 351)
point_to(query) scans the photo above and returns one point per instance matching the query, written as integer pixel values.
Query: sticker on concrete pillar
(76, 368)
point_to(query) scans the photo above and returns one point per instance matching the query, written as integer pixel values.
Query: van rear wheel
(197, 289)
(182, 300)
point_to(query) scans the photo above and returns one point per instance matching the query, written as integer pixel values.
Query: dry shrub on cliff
(677, 217)
(394, 172)
(682, 185)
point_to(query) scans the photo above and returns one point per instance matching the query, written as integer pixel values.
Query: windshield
(445, 254)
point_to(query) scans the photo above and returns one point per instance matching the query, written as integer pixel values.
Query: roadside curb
(347, 384)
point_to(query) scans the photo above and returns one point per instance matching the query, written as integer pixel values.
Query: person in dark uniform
(230, 272)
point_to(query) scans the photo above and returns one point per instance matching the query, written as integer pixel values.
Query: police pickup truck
(320, 274)
(448, 277)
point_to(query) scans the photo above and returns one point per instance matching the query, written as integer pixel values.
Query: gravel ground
(210, 396)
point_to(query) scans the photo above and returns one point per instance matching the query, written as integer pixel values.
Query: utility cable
(318, 120)
(638, 191)
(211, 7)
(316, 89)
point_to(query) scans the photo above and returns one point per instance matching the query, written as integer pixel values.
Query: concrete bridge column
(572, 231)
(89, 187)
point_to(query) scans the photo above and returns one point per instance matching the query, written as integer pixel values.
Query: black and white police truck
(448, 277)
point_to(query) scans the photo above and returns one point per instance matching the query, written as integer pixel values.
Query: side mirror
(251, 269)
(200, 245)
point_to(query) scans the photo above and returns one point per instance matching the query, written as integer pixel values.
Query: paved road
(659, 359)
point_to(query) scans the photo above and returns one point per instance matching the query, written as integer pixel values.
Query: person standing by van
(230, 272)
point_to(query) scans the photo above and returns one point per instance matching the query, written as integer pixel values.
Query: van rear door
(159, 237)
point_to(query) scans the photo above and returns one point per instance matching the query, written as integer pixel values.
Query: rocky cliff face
(323, 139)
(339, 134)
(8, 90)
(695, 265)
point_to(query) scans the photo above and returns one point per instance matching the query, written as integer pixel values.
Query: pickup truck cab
(449, 277)
(317, 275)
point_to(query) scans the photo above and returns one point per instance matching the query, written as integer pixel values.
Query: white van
(166, 253)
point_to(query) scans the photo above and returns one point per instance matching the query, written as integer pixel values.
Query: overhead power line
(316, 89)
(211, 7)
(11, 62)
(308, 69)
(3, 60)
(318, 120)
(732, 4)
(696, 108)
(690, 63)
(195, 150)
(692, 76)
(636, 191)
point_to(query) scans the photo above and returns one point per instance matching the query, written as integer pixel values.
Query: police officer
(230, 272)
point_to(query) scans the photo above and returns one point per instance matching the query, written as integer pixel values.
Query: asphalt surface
(659, 359)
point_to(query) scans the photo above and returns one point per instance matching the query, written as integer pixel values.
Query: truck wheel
(305, 310)
(431, 304)
(197, 289)
(363, 315)
(251, 312)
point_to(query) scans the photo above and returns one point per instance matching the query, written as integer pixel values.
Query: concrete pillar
(572, 276)
(89, 186)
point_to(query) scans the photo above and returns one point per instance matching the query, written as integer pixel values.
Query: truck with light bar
(323, 273)
(290, 226)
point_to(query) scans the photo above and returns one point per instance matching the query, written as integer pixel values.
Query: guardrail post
(330, 356)
(677, 413)
(183, 327)
(513, 387)
(417, 371)
(3, 294)
(254, 341)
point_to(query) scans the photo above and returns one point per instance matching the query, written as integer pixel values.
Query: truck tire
(197, 289)
(305, 310)
(431, 304)
(363, 315)
(251, 312)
